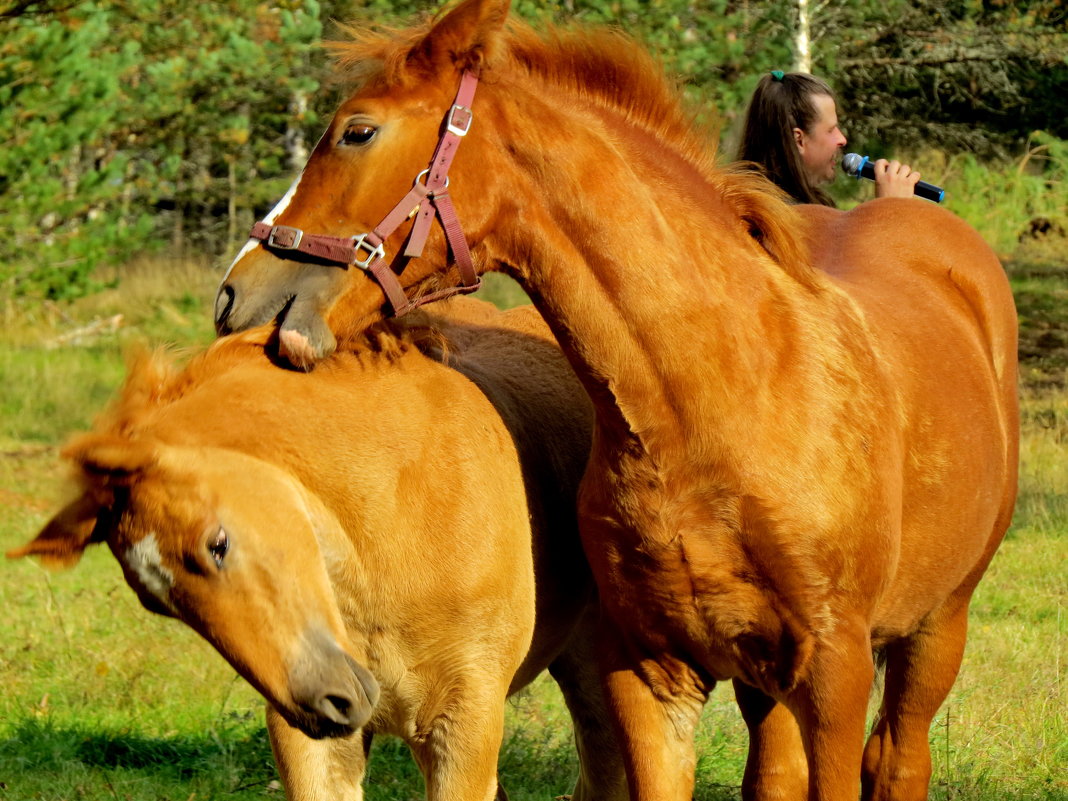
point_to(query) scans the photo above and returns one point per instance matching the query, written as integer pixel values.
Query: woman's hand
(894, 179)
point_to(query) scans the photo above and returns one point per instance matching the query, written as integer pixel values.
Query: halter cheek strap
(425, 201)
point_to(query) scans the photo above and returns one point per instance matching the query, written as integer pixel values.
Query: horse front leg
(317, 770)
(655, 704)
(830, 705)
(457, 748)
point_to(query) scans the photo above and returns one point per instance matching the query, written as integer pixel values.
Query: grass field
(102, 700)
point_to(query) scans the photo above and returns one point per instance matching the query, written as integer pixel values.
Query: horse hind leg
(920, 671)
(602, 776)
(776, 768)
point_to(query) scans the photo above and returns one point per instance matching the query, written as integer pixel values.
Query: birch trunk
(296, 146)
(803, 38)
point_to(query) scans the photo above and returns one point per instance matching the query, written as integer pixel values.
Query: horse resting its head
(198, 555)
(378, 142)
(522, 145)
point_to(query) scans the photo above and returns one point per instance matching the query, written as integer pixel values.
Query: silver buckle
(452, 127)
(373, 252)
(296, 233)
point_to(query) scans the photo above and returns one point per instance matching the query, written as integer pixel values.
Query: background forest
(133, 127)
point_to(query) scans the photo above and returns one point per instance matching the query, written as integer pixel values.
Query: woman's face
(820, 144)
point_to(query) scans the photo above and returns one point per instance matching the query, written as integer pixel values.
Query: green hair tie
(777, 75)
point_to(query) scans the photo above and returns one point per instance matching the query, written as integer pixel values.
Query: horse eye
(218, 546)
(358, 133)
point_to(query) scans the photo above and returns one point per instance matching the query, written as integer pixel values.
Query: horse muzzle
(332, 695)
(298, 304)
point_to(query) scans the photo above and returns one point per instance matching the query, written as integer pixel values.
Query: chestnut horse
(805, 449)
(371, 545)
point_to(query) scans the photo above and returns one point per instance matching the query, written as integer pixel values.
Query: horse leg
(601, 772)
(920, 671)
(830, 705)
(776, 768)
(317, 770)
(655, 705)
(457, 753)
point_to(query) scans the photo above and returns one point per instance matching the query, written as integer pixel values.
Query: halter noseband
(367, 251)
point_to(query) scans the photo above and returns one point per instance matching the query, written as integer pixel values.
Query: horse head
(227, 544)
(303, 269)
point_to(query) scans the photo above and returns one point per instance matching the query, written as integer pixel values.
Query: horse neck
(635, 261)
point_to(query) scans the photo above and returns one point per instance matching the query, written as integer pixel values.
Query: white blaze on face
(283, 204)
(144, 559)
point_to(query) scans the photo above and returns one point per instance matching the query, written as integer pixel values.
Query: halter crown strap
(429, 199)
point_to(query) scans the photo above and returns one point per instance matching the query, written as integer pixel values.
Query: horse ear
(464, 37)
(105, 462)
(65, 537)
(109, 458)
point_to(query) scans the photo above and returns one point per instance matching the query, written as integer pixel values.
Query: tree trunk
(803, 37)
(296, 147)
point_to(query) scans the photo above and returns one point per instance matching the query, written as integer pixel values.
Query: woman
(791, 131)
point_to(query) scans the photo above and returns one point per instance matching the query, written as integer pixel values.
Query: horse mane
(606, 67)
(158, 377)
(599, 64)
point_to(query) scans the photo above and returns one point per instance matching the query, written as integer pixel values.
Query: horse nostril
(224, 304)
(336, 708)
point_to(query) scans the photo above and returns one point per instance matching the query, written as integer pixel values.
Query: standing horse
(805, 448)
(371, 545)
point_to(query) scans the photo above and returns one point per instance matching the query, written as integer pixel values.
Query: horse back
(899, 258)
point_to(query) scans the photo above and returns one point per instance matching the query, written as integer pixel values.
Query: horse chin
(305, 339)
(317, 727)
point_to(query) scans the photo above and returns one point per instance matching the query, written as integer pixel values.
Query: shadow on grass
(43, 761)
(1040, 288)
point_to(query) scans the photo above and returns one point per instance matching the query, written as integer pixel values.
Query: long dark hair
(782, 102)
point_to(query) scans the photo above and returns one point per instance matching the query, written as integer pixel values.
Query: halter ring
(426, 172)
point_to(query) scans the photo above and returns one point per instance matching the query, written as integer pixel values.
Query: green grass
(102, 700)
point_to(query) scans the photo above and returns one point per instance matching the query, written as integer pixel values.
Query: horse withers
(385, 545)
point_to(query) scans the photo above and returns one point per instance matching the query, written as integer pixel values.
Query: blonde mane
(159, 377)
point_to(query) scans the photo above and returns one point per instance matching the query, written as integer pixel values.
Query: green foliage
(961, 76)
(1015, 201)
(148, 125)
(138, 123)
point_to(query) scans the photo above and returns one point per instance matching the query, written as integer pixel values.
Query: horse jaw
(304, 338)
